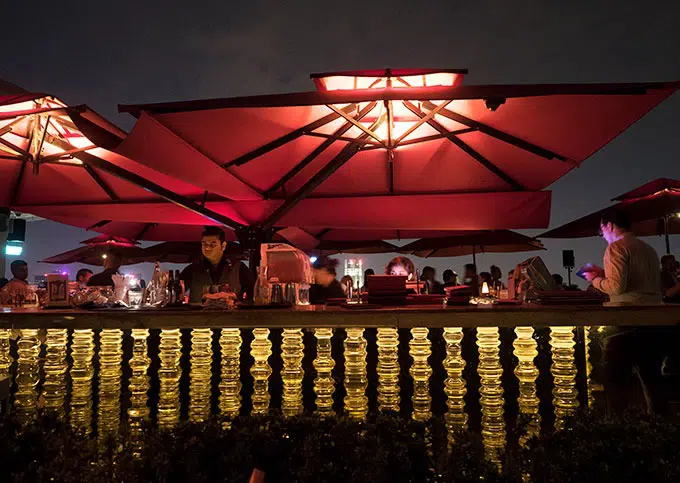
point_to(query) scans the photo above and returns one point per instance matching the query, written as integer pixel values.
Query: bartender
(326, 286)
(112, 263)
(216, 268)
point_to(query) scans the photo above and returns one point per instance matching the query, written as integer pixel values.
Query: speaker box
(568, 258)
(17, 231)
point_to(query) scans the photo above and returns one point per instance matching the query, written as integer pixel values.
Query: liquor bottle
(172, 295)
(262, 288)
(179, 289)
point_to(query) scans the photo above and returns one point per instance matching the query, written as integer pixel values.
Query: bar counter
(431, 316)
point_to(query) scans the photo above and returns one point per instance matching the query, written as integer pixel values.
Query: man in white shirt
(631, 267)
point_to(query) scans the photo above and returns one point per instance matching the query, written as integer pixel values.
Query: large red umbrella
(52, 165)
(95, 250)
(387, 149)
(471, 243)
(654, 209)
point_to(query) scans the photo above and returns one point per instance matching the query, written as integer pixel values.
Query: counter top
(320, 316)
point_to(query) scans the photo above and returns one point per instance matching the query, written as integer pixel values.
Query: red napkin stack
(458, 295)
(386, 289)
(575, 297)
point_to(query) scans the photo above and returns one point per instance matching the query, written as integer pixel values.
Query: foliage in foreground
(384, 448)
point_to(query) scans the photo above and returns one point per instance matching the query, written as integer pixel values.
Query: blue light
(13, 249)
(313, 259)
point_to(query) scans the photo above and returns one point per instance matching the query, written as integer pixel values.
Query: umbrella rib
(101, 183)
(64, 154)
(487, 164)
(495, 133)
(17, 184)
(342, 138)
(423, 120)
(291, 136)
(317, 151)
(356, 123)
(99, 224)
(14, 148)
(117, 171)
(8, 127)
(144, 230)
(322, 175)
(468, 150)
(434, 137)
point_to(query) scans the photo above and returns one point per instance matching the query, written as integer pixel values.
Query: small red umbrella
(95, 251)
(654, 209)
(471, 243)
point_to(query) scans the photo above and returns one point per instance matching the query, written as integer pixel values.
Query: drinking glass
(303, 294)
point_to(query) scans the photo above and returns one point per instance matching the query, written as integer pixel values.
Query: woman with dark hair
(450, 278)
(325, 286)
(367, 273)
(401, 266)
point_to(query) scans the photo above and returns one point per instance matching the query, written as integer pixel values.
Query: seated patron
(497, 277)
(559, 281)
(325, 286)
(83, 276)
(431, 284)
(670, 281)
(367, 273)
(450, 278)
(112, 263)
(19, 283)
(347, 283)
(401, 266)
(471, 279)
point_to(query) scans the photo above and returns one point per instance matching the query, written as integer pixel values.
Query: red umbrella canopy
(501, 241)
(653, 209)
(95, 255)
(52, 164)
(651, 188)
(110, 240)
(379, 147)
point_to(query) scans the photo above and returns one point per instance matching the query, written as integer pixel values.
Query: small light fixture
(313, 259)
(493, 104)
(104, 256)
(14, 248)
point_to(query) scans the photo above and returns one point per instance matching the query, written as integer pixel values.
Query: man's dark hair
(214, 231)
(667, 258)
(369, 271)
(617, 218)
(16, 265)
(82, 272)
(471, 266)
(448, 275)
(429, 269)
(325, 262)
(559, 280)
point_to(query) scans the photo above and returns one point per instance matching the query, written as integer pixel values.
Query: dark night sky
(104, 53)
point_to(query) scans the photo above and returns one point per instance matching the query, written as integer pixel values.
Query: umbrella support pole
(667, 235)
(569, 269)
(250, 239)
